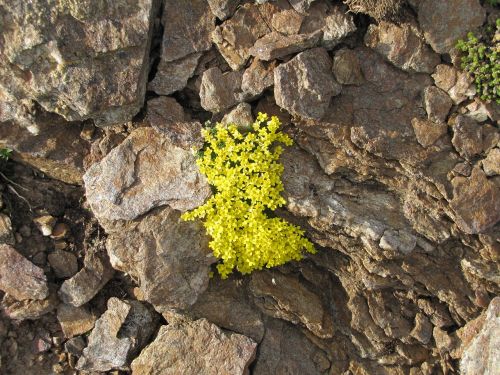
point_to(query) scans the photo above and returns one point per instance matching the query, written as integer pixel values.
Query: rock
(467, 137)
(167, 117)
(257, 78)
(241, 116)
(83, 286)
(457, 84)
(380, 10)
(481, 355)
(19, 277)
(173, 76)
(45, 224)
(6, 234)
(304, 85)
(236, 36)
(145, 171)
(476, 202)
(428, 132)
(301, 5)
(189, 31)
(168, 257)
(74, 321)
(63, 263)
(481, 111)
(275, 45)
(29, 309)
(75, 346)
(398, 241)
(286, 298)
(491, 165)
(223, 9)
(177, 345)
(346, 68)
(287, 22)
(444, 22)
(437, 104)
(78, 61)
(423, 329)
(219, 91)
(402, 45)
(119, 334)
(60, 231)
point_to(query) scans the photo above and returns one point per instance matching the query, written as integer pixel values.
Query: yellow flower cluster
(246, 173)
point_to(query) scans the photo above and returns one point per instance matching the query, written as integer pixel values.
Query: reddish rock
(428, 132)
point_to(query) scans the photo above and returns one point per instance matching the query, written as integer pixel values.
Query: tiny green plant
(5, 154)
(245, 171)
(493, 3)
(481, 59)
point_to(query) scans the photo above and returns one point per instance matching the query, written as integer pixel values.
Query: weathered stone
(188, 31)
(287, 22)
(75, 321)
(75, 346)
(457, 84)
(437, 104)
(476, 202)
(63, 263)
(275, 45)
(241, 116)
(236, 36)
(257, 78)
(119, 334)
(423, 329)
(173, 76)
(481, 111)
(285, 297)
(301, 5)
(45, 224)
(481, 355)
(29, 308)
(346, 68)
(223, 9)
(467, 137)
(400, 241)
(6, 234)
(83, 286)
(378, 9)
(145, 171)
(219, 91)
(491, 137)
(19, 277)
(304, 85)
(197, 347)
(428, 132)
(167, 117)
(77, 60)
(402, 45)
(168, 257)
(444, 22)
(491, 164)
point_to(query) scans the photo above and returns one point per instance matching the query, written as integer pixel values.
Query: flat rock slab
(193, 348)
(19, 277)
(145, 171)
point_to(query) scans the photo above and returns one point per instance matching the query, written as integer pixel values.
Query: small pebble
(60, 231)
(45, 224)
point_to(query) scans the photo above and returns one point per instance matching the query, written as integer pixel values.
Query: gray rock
(457, 84)
(223, 9)
(63, 263)
(423, 329)
(219, 91)
(444, 22)
(402, 45)
(491, 164)
(428, 132)
(83, 286)
(173, 76)
(304, 85)
(6, 234)
(167, 256)
(346, 68)
(482, 355)
(437, 104)
(145, 171)
(399, 241)
(19, 277)
(275, 45)
(178, 344)
(241, 116)
(119, 334)
(75, 321)
(301, 6)
(82, 61)
(75, 346)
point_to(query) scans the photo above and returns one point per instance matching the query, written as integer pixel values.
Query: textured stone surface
(275, 45)
(29, 309)
(197, 347)
(256, 79)
(173, 76)
(346, 68)
(287, 22)
(304, 85)
(491, 165)
(444, 22)
(119, 334)
(223, 9)
(219, 91)
(19, 277)
(64, 263)
(456, 83)
(78, 60)
(6, 234)
(75, 321)
(241, 115)
(145, 171)
(168, 257)
(428, 132)
(437, 104)
(467, 137)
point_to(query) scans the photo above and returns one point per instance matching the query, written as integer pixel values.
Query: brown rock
(378, 9)
(63, 263)
(60, 231)
(457, 84)
(423, 329)
(437, 104)
(491, 165)
(301, 5)
(476, 202)
(256, 79)
(275, 45)
(444, 22)
(145, 171)
(241, 116)
(304, 85)
(346, 68)
(29, 309)
(74, 321)
(178, 344)
(6, 234)
(428, 132)
(223, 9)
(287, 22)
(467, 137)
(219, 91)
(19, 277)
(173, 76)
(402, 45)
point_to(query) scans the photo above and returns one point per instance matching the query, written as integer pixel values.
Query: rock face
(304, 85)
(19, 277)
(145, 171)
(75, 321)
(178, 344)
(75, 60)
(219, 91)
(121, 332)
(482, 355)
